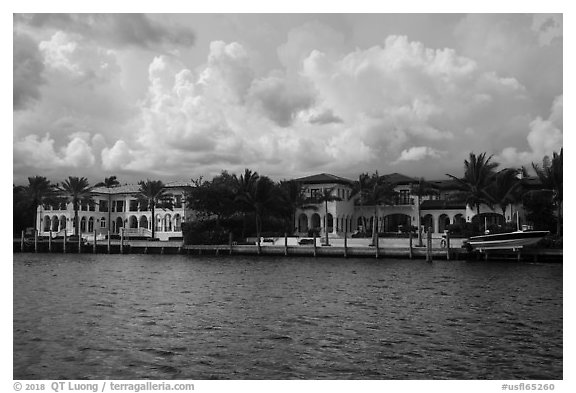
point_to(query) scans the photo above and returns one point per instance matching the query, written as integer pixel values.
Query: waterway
(190, 317)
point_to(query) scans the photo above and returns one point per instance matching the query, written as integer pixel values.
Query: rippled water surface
(183, 317)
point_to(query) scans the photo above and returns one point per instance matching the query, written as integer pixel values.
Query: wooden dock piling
(410, 253)
(429, 245)
(230, 242)
(345, 244)
(94, 247)
(376, 244)
(108, 243)
(64, 242)
(79, 242)
(447, 246)
(285, 244)
(315, 252)
(122, 241)
(22, 242)
(50, 241)
(35, 240)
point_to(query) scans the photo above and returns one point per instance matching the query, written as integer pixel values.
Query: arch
(329, 223)
(46, 223)
(397, 222)
(158, 223)
(428, 222)
(132, 222)
(167, 223)
(119, 224)
(62, 223)
(83, 224)
(315, 221)
(443, 222)
(303, 223)
(91, 224)
(143, 222)
(177, 223)
(54, 224)
(459, 219)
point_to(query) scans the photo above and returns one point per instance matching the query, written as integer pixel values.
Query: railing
(137, 232)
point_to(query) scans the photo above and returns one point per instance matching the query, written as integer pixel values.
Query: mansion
(117, 208)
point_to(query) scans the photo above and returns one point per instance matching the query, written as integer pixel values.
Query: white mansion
(117, 208)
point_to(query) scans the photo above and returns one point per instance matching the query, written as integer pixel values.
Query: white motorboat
(506, 241)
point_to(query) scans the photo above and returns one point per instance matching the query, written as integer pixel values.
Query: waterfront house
(112, 209)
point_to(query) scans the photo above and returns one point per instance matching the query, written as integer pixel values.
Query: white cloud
(417, 153)
(544, 138)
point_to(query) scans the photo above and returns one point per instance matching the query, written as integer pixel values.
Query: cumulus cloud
(28, 67)
(544, 138)
(113, 29)
(417, 153)
(547, 27)
(37, 151)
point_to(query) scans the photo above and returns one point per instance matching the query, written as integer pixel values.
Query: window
(404, 197)
(178, 202)
(91, 206)
(315, 192)
(119, 206)
(133, 205)
(102, 222)
(84, 206)
(103, 206)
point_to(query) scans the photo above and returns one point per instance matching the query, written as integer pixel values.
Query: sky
(178, 96)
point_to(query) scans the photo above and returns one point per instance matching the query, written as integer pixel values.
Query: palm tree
(550, 174)
(380, 192)
(478, 174)
(325, 197)
(420, 189)
(76, 190)
(109, 182)
(360, 187)
(261, 196)
(153, 194)
(244, 184)
(505, 188)
(36, 192)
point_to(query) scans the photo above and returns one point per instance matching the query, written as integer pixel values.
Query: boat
(506, 241)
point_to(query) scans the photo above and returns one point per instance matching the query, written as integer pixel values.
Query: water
(183, 317)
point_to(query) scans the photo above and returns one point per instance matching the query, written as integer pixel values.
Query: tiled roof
(133, 188)
(323, 178)
(398, 178)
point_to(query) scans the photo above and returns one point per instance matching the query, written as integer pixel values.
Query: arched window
(168, 223)
(177, 223)
(303, 223)
(46, 223)
(83, 224)
(91, 224)
(144, 222)
(103, 222)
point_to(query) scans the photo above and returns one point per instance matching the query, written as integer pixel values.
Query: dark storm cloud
(28, 67)
(116, 29)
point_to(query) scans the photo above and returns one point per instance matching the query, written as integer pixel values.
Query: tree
(262, 196)
(76, 190)
(380, 192)
(325, 197)
(420, 189)
(478, 174)
(153, 194)
(243, 185)
(109, 182)
(360, 188)
(35, 193)
(550, 174)
(505, 188)
(294, 197)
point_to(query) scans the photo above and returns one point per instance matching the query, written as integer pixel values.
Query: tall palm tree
(153, 194)
(550, 174)
(262, 196)
(505, 188)
(36, 192)
(478, 174)
(109, 182)
(326, 196)
(76, 190)
(380, 192)
(420, 189)
(360, 187)
(243, 185)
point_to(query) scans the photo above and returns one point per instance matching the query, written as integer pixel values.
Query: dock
(177, 247)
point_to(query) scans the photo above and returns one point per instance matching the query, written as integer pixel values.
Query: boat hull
(508, 241)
